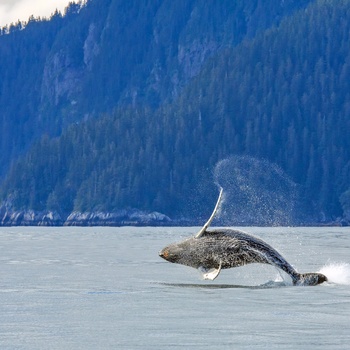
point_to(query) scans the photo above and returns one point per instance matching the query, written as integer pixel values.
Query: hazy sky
(14, 10)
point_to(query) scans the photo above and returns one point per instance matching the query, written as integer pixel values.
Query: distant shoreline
(131, 217)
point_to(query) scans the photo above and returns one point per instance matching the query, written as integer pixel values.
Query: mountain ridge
(246, 98)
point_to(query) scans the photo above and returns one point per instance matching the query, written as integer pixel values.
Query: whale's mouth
(164, 254)
(170, 255)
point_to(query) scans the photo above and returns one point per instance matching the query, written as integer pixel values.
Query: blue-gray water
(106, 288)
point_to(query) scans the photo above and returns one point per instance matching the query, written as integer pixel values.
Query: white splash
(338, 273)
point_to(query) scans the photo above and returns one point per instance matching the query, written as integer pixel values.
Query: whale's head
(183, 253)
(172, 253)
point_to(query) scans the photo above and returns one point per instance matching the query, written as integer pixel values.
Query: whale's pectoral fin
(207, 224)
(210, 274)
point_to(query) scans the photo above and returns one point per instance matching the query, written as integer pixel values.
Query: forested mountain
(104, 53)
(145, 99)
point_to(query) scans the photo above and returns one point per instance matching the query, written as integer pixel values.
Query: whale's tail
(309, 279)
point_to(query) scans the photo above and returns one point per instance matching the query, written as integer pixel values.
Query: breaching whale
(217, 249)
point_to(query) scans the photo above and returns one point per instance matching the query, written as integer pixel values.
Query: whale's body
(211, 251)
(226, 248)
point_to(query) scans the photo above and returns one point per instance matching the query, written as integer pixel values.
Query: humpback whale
(210, 251)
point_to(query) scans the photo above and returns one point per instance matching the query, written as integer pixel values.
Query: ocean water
(106, 288)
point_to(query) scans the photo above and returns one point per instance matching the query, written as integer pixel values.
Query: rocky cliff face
(61, 79)
(29, 218)
(91, 46)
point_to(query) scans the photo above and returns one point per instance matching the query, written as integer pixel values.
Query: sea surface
(106, 288)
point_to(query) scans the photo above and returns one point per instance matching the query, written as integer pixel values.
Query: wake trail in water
(338, 273)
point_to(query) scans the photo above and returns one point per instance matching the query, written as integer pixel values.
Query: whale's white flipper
(207, 224)
(210, 274)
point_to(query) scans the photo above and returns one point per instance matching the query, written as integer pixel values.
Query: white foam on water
(338, 273)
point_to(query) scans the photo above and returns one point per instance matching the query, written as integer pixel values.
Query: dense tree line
(284, 96)
(281, 94)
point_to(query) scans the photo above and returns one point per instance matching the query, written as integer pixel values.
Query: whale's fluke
(207, 224)
(309, 279)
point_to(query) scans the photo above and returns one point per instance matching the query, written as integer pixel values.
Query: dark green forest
(131, 104)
